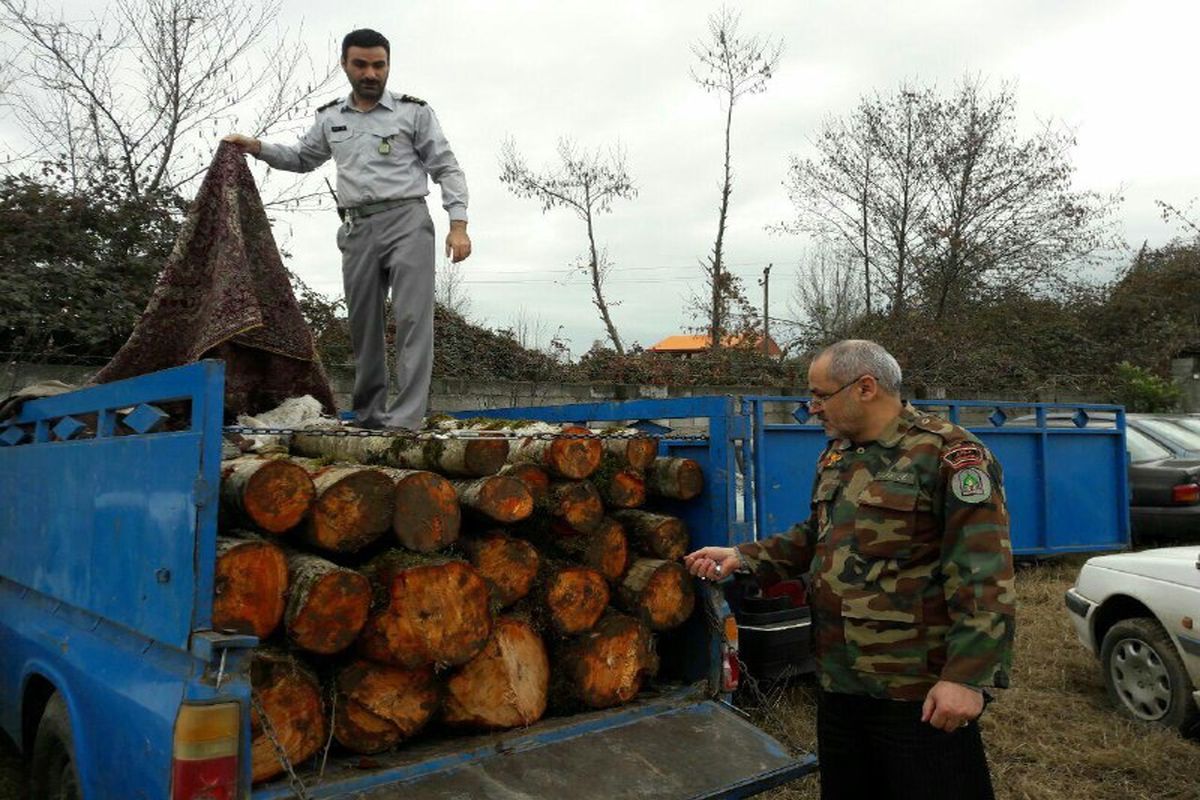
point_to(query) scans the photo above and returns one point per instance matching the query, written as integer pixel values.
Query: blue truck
(114, 684)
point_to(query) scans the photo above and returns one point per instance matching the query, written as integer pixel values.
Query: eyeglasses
(819, 399)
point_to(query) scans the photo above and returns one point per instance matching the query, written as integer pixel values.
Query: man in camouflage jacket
(910, 576)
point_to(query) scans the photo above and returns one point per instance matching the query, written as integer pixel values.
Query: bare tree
(586, 183)
(150, 85)
(827, 298)
(942, 200)
(450, 291)
(732, 66)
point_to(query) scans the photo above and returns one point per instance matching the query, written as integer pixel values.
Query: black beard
(368, 91)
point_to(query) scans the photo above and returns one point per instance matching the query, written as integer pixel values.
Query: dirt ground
(1054, 735)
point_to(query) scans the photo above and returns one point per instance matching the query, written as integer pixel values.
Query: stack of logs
(476, 579)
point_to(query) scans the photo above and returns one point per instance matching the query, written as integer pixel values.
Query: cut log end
(427, 515)
(278, 495)
(576, 598)
(668, 597)
(250, 587)
(335, 608)
(499, 498)
(677, 478)
(378, 707)
(509, 565)
(626, 489)
(534, 477)
(579, 504)
(354, 507)
(576, 455)
(607, 666)
(505, 685)
(291, 698)
(485, 456)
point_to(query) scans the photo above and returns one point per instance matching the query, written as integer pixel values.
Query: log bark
(605, 549)
(327, 606)
(654, 535)
(676, 478)
(497, 498)
(250, 585)
(290, 696)
(578, 504)
(570, 598)
(505, 685)
(436, 612)
(354, 507)
(427, 516)
(534, 477)
(272, 494)
(378, 706)
(462, 457)
(660, 593)
(630, 446)
(508, 564)
(604, 667)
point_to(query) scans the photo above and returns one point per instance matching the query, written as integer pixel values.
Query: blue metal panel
(112, 524)
(1066, 487)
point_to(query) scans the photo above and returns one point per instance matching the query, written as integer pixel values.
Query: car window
(1166, 430)
(1141, 448)
(1188, 423)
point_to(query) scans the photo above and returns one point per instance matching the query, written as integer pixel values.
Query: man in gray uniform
(385, 146)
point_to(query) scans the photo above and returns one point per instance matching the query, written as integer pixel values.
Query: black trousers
(880, 750)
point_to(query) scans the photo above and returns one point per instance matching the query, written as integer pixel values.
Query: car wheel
(52, 771)
(1145, 676)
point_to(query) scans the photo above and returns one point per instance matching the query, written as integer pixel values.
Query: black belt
(378, 207)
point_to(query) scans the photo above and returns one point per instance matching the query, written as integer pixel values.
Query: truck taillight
(205, 762)
(730, 670)
(1186, 494)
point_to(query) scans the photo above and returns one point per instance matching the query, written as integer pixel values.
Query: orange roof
(694, 343)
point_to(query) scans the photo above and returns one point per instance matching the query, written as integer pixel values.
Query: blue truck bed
(108, 524)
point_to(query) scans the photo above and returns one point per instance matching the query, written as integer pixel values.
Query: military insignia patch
(831, 460)
(963, 455)
(971, 485)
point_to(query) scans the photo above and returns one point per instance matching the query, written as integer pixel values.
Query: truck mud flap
(668, 748)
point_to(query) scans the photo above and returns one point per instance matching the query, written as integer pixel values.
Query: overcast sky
(1121, 74)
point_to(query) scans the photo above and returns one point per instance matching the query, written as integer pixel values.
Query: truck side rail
(1066, 482)
(120, 531)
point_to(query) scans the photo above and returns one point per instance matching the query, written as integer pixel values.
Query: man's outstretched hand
(247, 144)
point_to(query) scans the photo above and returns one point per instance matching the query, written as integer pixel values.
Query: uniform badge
(831, 460)
(385, 146)
(963, 455)
(971, 485)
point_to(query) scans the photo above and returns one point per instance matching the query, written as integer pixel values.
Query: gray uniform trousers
(393, 250)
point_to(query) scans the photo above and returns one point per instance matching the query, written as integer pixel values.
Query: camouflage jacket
(909, 562)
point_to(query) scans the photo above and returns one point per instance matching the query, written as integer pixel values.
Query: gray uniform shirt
(415, 143)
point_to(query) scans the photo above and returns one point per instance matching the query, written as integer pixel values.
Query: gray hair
(853, 358)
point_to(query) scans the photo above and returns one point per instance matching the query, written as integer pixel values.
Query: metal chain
(294, 781)
(403, 433)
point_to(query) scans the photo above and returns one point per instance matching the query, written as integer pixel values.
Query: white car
(1140, 613)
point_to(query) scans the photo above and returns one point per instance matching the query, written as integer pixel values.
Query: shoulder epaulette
(330, 104)
(408, 98)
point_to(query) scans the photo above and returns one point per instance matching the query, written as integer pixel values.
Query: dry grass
(1054, 735)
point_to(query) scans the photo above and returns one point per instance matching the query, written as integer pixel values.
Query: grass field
(1054, 735)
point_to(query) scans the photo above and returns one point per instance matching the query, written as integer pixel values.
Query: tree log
(604, 667)
(498, 498)
(569, 598)
(676, 478)
(619, 486)
(505, 685)
(570, 452)
(534, 477)
(354, 507)
(250, 585)
(290, 696)
(378, 706)
(578, 504)
(327, 606)
(630, 446)
(508, 564)
(604, 549)
(427, 515)
(655, 535)
(272, 494)
(463, 457)
(437, 611)
(660, 593)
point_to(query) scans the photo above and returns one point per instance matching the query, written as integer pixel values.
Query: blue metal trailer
(113, 681)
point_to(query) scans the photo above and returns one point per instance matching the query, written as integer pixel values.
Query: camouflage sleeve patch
(963, 454)
(978, 566)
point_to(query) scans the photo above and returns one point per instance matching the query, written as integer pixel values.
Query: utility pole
(766, 284)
